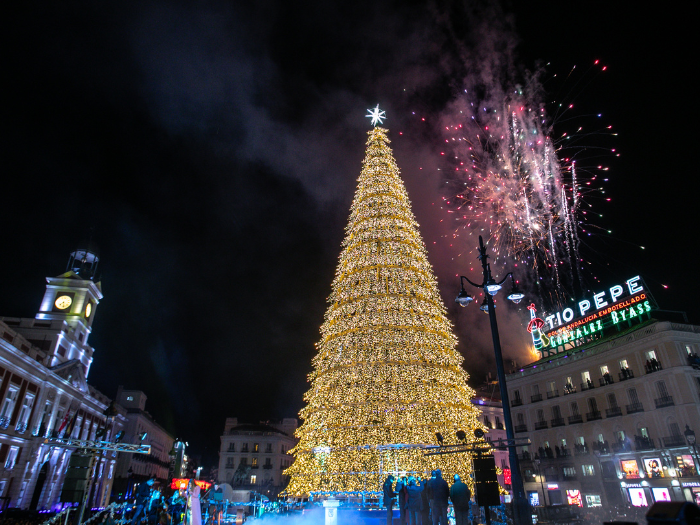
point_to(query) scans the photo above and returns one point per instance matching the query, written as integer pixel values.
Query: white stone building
(133, 468)
(44, 363)
(612, 421)
(254, 456)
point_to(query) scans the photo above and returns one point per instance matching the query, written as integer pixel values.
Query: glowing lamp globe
(463, 299)
(492, 287)
(485, 306)
(516, 296)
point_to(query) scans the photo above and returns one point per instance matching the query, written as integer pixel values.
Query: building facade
(254, 456)
(612, 422)
(44, 364)
(133, 468)
(488, 401)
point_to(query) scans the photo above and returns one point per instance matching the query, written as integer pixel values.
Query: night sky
(211, 150)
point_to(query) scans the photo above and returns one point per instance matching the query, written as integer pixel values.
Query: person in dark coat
(389, 496)
(401, 490)
(143, 498)
(425, 502)
(414, 502)
(440, 498)
(461, 497)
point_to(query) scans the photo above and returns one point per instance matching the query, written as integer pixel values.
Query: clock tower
(72, 298)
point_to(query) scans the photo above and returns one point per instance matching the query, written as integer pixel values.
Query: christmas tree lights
(387, 375)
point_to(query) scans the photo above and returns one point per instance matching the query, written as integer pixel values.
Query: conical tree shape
(387, 375)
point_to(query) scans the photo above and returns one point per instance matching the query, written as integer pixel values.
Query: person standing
(195, 507)
(143, 498)
(401, 490)
(425, 502)
(389, 495)
(440, 498)
(461, 497)
(414, 502)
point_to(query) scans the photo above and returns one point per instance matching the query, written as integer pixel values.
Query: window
(612, 401)
(569, 472)
(570, 381)
(586, 376)
(592, 404)
(587, 470)
(563, 443)
(604, 370)
(231, 447)
(229, 462)
(675, 429)
(25, 411)
(268, 448)
(689, 349)
(253, 479)
(517, 395)
(620, 435)
(11, 458)
(661, 389)
(632, 396)
(256, 447)
(268, 462)
(244, 447)
(644, 432)
(520, 418)
(498, 423)
(593, 500)
(244, 462)
(540, 415)
(574, 409)
(535, 389)
(254, 464)
(129, 398)
(552, 386)
(623, 364)
(8, 404)
(487, 422)
(650, 354)
(556, 412)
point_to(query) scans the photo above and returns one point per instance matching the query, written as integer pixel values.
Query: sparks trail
(512, 178)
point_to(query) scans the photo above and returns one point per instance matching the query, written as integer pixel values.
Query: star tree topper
(376, 115)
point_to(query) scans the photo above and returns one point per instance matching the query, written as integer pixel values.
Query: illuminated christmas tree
(387, 376)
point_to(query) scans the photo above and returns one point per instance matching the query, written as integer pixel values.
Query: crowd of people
(425, 501)
(153, 508)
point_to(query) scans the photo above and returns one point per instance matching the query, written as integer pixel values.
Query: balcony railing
(535, 398)
(577, 418)
(267, 466)
(635, 407)
(622, 446)
(4, 422)
(643, 443)
(606, 380)
(21, 428)
(653, 366)
(613, 412)
(552, 393)
(558, 422)
(516, 402)
(539, 425)
(586, 386)
(625, 374)
(569, 389)
(665, 401)
(674, 441)
(520, 428)
(595, 414)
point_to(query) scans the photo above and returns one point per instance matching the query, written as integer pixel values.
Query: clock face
(88, 310)
(63, 302)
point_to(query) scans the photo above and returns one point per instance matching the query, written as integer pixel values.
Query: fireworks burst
(514, 183)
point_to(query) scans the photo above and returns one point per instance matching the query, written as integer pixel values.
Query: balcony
(539, 425)
(643, 443)
(613, 412)
(634, 407)
(592, 416)
(586, 386)
(21, 428)
(535, 398)
(267, 466)
(652, 366)
(558, 422)
(569, 477)
(581, 450)
(518, 401)
(625, 374)
(4, 422)
(606, 380)
(569, 389)
(552, 394)
(622, 446)
(576, 418)
(665, 401)
(674, 441)
(254, 466)
(520, 428)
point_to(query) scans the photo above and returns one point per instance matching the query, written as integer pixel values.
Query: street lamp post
(521, 510)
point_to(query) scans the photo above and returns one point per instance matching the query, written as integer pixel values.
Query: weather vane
(376, 115)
